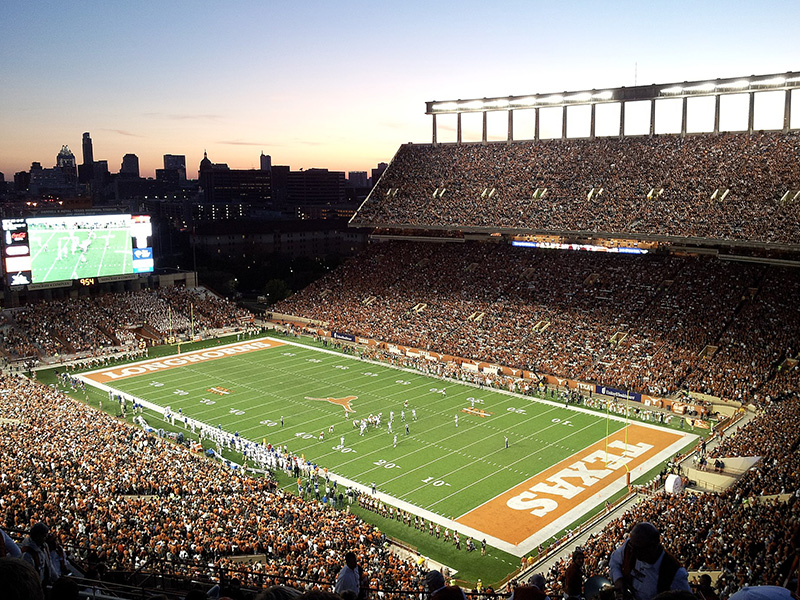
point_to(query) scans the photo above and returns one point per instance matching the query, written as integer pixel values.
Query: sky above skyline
(335, 85)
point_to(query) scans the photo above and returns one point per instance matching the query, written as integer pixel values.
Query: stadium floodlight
(739, 84)
(785, 81)
(529, 100)
(703, 87)
(471, 105)
(580, 97)
(774, 81)
(445, 106)
(501, 103)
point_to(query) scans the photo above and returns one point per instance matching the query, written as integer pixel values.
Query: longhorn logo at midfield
(476, 411)
(343, 402)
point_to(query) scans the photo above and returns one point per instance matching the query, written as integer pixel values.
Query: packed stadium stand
(661, 323)
(728, 187)
(96, 325)
(122, 499)
(670, 308)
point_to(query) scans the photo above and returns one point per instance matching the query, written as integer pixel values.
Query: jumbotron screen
(47, 249)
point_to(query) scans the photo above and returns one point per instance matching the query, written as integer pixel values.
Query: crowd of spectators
(17, 344)
(100, 324)
(652, 323)
(727, 186)
(762, 335)
(746, 532)
(125, 497)
(84, 475)
(775, 434)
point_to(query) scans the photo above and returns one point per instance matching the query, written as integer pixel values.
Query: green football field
(452, 460)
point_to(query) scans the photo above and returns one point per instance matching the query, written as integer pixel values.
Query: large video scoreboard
(40, 250)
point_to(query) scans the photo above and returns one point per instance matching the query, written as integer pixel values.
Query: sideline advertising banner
(343, 336)
(615, 393)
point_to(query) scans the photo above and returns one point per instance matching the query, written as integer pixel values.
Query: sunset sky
(338, 85)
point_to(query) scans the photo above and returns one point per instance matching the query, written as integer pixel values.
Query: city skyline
(338, 87)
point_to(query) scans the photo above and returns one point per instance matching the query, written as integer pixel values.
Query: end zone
(535, 510)
(178, 360)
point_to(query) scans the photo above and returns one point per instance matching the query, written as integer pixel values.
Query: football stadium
(546, 342)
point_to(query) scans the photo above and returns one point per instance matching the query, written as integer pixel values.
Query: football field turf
(453, 465)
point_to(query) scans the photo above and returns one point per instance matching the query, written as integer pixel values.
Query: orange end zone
(178, 360)
(535, 506)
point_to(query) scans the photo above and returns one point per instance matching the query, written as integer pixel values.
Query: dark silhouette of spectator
(350, 576)
(64, 588)
(20, 580)
(574, 576)
(36, 552)
(641, 568)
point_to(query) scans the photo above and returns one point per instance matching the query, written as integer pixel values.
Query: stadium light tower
(653, 93)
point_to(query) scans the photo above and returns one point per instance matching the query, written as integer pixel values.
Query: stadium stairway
(108, 332)
(148, 332)
(68, 348)
(709, 480)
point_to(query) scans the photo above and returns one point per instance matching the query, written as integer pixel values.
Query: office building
(65, 160)
(176, 163)
(377, 172)
(357, 179)
(86, 170)
(222, 184)
(130, 166)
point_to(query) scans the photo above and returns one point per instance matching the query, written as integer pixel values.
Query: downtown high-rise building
(130, 166)
(357, 179)
(65, 160)
(378, 171)
(86, 169)
(175, 164)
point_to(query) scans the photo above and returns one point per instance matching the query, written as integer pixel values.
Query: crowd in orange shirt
(125, 497)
